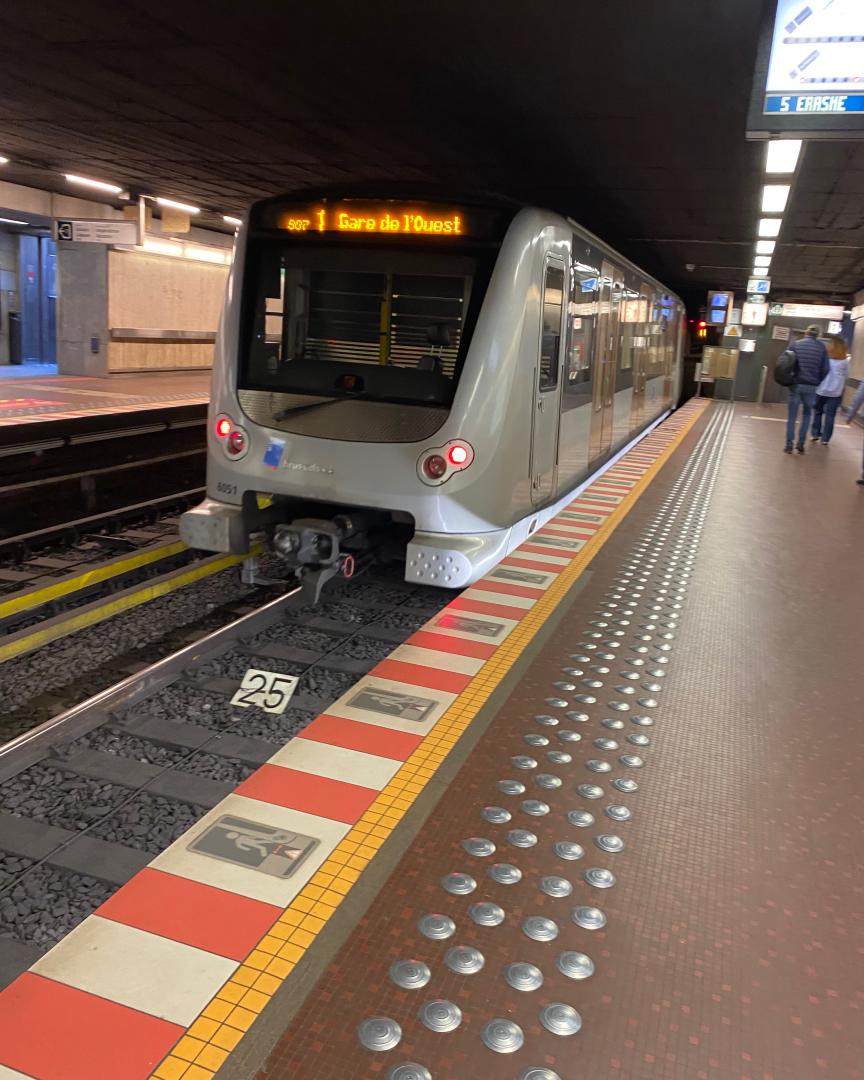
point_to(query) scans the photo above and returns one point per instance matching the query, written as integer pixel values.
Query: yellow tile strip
(230, 1014)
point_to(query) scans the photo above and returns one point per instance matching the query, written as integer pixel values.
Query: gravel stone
(48, 903)
(148, 823)
(57, 797)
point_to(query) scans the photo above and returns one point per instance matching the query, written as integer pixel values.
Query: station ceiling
(628, 116)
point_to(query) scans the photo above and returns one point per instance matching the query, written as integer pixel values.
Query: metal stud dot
(580, 658)
(505, 873)
(534, 739)
(440, 1015)
(478, 846)
(556, 702)
(590, 791)
(589, 918)
(511, 787)
(631, 761)
(539, 928)
(436, 927)
(539, 1073)
(545, 720)
(593, 683)
(547, 781)
(522, 976)
(618, 813)
(379, 1033)
(638, 739)
(410, 974)
(552, 885)
(409, 1070)
(598, 766)
(458, 884)
(578, 717)
(565, 686)
(619, 706)
(642, 721)
(574, 671)
(599, 878)
(613, 725)
(609, 842)
(464, 960)
(626, 690)
(568, 736)
(535, 807)
(486, 914)
(521, 838)
(575, 965)
(566, 849)
(648, 702)
(601, 669)
(584, 699)
(606, 744)
(560, 1019)
(522, 761)
(559, 757)
(495, 815)
(502, 1036)
(629, 674)
(605, 656)
(580, 818)
(652, 687)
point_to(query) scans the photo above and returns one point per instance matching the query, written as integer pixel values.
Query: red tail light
(434, 466)
(236, 443)
(458, 454)
(223, 427)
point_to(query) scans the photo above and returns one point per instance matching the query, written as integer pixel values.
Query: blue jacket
(813, 363)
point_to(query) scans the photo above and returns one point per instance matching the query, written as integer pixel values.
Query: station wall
(8, 288)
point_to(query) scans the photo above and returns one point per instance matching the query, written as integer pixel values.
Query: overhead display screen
(363, 217)
(810, 73)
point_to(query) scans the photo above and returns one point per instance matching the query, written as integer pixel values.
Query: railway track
(90, 796)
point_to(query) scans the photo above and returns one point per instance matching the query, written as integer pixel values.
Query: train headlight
(237, 443)
(223, 427)
(437, 464)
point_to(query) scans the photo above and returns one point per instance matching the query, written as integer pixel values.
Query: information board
(809, 71)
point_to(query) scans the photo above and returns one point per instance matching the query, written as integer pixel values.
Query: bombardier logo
(299, 466)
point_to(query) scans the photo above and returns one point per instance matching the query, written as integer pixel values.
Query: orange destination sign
(362, 218)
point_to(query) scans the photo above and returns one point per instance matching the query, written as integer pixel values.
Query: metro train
(443, 372)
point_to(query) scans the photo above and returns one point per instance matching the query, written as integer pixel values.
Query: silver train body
(554, 353)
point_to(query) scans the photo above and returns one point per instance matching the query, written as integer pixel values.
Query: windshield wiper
(294, 409)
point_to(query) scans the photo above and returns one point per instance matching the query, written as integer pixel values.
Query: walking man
(813, 366)
(829, 393)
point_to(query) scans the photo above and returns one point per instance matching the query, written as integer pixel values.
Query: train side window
(550, 342)
(581, 320)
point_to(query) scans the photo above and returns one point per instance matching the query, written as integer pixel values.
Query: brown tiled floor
(733, 947)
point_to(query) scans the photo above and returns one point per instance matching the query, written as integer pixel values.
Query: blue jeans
(806, 396)
(826, 406)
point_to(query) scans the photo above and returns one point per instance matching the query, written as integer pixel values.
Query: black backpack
(786, 371)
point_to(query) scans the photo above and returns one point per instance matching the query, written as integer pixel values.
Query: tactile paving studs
(578, 717)
(522, 761)
(539, 928)
(595, 684)
(502, 1036)
(575, 965)
(609, 842)
(521, 838)
(559, 757)
(574, 671)
(379, 1033)
(631, 761)
(560, 1019)
(619, 706)
(535, 739)
(464, 960)
(458, 884)
(436, 927)
(589, 918)
(545, 720)
(625, 690)
(652, 688)
(511, 787)
(486, 914)
(642, 721)
(535, 807)
(612, 724)
(601, 669)
(557, 702)
(605, 744)
(599, 878)
(409, 1070)
(522, 976)
(629, 674)
(580, 818)
(565, 686)
(568, 736)
(410, 974)
(625, 784)
(637, 739)
(555, 886)
(590, 791)
(547, 781)
(598, 766)
(478, 846)
(618, 812)
(585, 699)
(505, 873)
(440, 1015)
(566, 849)
(496, 815)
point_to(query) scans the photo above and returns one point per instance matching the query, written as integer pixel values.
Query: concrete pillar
(82, 320)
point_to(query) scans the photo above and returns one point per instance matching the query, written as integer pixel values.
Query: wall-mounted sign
(808, 311)
(835, 327)
(718, 308)
(761, 286)
(754, 314)
(97, 231)
(780, 333)
(732, 331)
(735, 316)
(747, 344)
(808, 71)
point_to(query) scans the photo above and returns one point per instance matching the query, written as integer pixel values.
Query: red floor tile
(367, 738)
(428, 639)
(465, 603)
(493, 585)
(198, 915)
(308, 793)
(548, 568)
(545, 549)
(453, 682)
(55, 1032)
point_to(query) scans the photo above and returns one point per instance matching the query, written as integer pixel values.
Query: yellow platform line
(83, 619)
(75, 582)
(229, 1015)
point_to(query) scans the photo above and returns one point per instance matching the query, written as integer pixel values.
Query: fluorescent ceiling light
(769, 226)
(99, 185)
(774, 198)
(180, 249)
(4, 160)
(765, 247)
(762, 260)
(232, 220)
(782, 155)
(13, 221)
(179, 206)
(758, 271)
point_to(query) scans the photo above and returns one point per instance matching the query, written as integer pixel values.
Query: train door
(602, 420)
(640, 346)
(547, 384)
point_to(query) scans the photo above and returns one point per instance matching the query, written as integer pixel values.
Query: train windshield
(374, 323)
